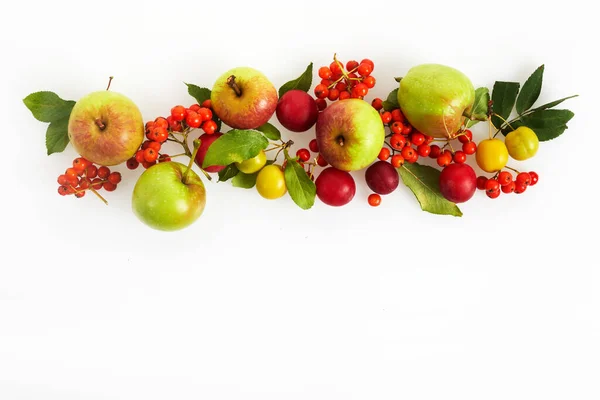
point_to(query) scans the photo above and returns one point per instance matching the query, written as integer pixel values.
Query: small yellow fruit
(270, 182)
(253, 164)
(522, 143)
(492, 155)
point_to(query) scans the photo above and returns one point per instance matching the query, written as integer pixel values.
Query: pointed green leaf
(199, 93)
(553, 103)
(270, 131)
(547, 124)
(228, 172)
(531, 90)
(235, 146)
(391, 103)
(47, 106)
(504, 96)
(480, 105)
(301, 188)
(246, 181)
(303, 82)
(424, 182)
(57, 137)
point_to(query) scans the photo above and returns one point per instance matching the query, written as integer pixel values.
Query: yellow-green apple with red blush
(106, 127)
(350, 134)
(435, 98)
(169, 196)
(244, 98)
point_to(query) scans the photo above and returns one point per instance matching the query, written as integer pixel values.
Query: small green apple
(106, 127)
(434, 97)
(244, 98)
(350, 134)
(167, 199)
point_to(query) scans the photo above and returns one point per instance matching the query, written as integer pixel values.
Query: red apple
(106, 127)
(244, 98)
(205, 141)
(334, 187)
(297, 111)
(350, 134)
(458, 182)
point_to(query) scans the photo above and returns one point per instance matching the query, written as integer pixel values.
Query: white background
(259, 299)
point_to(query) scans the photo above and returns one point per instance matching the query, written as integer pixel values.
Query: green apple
(350, 134)
(434, 97)
(244, 98)
(106, 127)
(167, 199)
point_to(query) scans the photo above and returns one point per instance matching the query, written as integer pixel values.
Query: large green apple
(350, 134)
(106, 127)
(244, 98)
(434, 97)
(166, 200)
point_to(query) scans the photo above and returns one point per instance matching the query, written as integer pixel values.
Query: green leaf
(391, 103)
(303, 82)
(547, 124)
(504, 96)
(301, 188)
(270, 131)
(553, 103)
(423, 181)
(235, 146)
(228, 172)
(480, 105)
(531, 90)
(57, 137)
(47, 106)
(199, 93)
(246, 181)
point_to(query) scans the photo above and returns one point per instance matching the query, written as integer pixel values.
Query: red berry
(209, 126)
(367, 61)
(147, 164)
(150, 155)
(396, 126)
(492, 185)
(466, 137)
(63, 190)
(397, 160)
(132, 163)
(178, 113)
(481, 182)
(469, 148)
(384, 154)
(97, 184)
(360, 90)
(523, 178)
(80, 194)
(435, 151)
(444, 160)
(166, 158)
(321, 91)
(459, 157)
(139, 156)
(205, 113)
(509, 188)
(114, 177)
(377, 103)
(370, 82)
(303, 154)
(327, 82)
(155, 146)
(80, 164)
(408, 153)
(423, 150)
(334, 94)
(350, 65)
(194, 107)
(109, 186)
(494, 194)
(321, 104)
(193, 119)
(374, 199)
(386, 117)
(62, 180)
(504, 178)
(161, 122)
(206, 104)
(325, 73)
(71, 173)
(336, 68)
(417, 138)
(313, 146)
(344, 95)
(397, 115)
(397, 141)
(520, 188)
(103, 172)
(534, 178)
(364, 69)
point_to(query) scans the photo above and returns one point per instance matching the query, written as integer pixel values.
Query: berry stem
(192, 158)
(98, 194)
(512, 169)
(232, 84)
(110, 78)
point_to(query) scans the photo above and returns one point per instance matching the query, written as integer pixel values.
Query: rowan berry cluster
(85, 175)
(503, 182)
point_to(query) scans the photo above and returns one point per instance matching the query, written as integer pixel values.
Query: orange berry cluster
(84, 175)
(404, 143)
(503, 182)
(181, 119)
(339, 82)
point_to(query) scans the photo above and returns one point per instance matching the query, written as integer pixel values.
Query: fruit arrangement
(419, 135)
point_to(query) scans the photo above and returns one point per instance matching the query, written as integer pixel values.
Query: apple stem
(110, 78)
(232, 84)
(100, 124)
(192, 158)
(340, 141)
